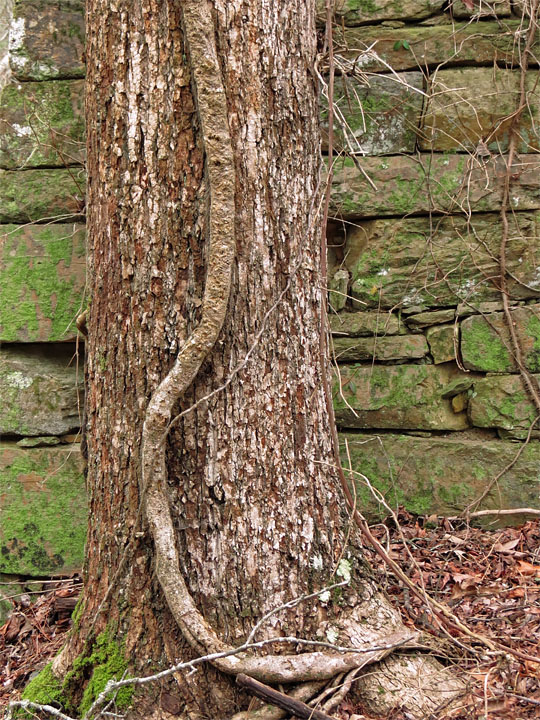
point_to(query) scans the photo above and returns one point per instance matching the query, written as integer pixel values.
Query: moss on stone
(40, 488)
(35, 195)
(533, 331)
(482, 348)
(42, 275)
(42, 124)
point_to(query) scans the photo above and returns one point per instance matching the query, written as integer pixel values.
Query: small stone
(42, 441)
(460, 402)
(38, 390)
(71, 438)
(442, 341)
(470, 104)
(501, 401)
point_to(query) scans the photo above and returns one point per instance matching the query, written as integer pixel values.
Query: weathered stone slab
(442, 341)
(37, 195)
(358, 12)
(397, 348)
(397, 396)
(42, 124)
(377, 119)
(500, 401)
(469, 106)
(406, 48)
(47, 39)
(42, 511)
(442, 475)
(42, 280)
(441, 183)
(466, 309)
(38, 390)
(367, 323)
(481, 9)
(486, 344)
(433, 317)
(395, 263)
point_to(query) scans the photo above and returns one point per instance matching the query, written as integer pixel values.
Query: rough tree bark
(204, 202)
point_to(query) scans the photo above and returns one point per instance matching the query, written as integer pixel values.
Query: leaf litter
(489, 578)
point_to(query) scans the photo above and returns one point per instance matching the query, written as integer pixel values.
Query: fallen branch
(274, 697)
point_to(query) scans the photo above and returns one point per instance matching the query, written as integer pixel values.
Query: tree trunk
(204, 202)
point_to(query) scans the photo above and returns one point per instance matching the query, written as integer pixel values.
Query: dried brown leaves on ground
(34, 633)
(490, 579)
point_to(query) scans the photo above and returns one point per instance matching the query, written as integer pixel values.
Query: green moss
(456, 495)
(40, 284)
(533, 330)
(40, 488)
(404, 198)
(483, 347)
(44, 689)
(107, 662)
(34, 195)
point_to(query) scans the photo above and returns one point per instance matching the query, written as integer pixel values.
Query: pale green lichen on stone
(42, 124)
(47, 39)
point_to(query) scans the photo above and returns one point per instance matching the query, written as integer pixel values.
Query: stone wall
(427, 396)
(428, 389)
(42, 279)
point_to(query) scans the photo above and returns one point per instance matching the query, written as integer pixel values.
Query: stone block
(42, 124)
(474, 107)
(397, 397)
(47, 39)
(413, 46)
(360, 324)
(442, 341)
(486, 345)
(42, 280)
(358, 12)
(378, 118)
(428, 318)
(43, 511)
(402, 185)
(441, 474)
(481, 308)
(413, 263)
(40, 390)
(500, 401)
(37, 195)
(397, 348)
(481, 9)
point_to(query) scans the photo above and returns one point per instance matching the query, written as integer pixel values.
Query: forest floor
(490, 579)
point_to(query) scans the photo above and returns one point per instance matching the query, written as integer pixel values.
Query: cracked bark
(243, 496)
